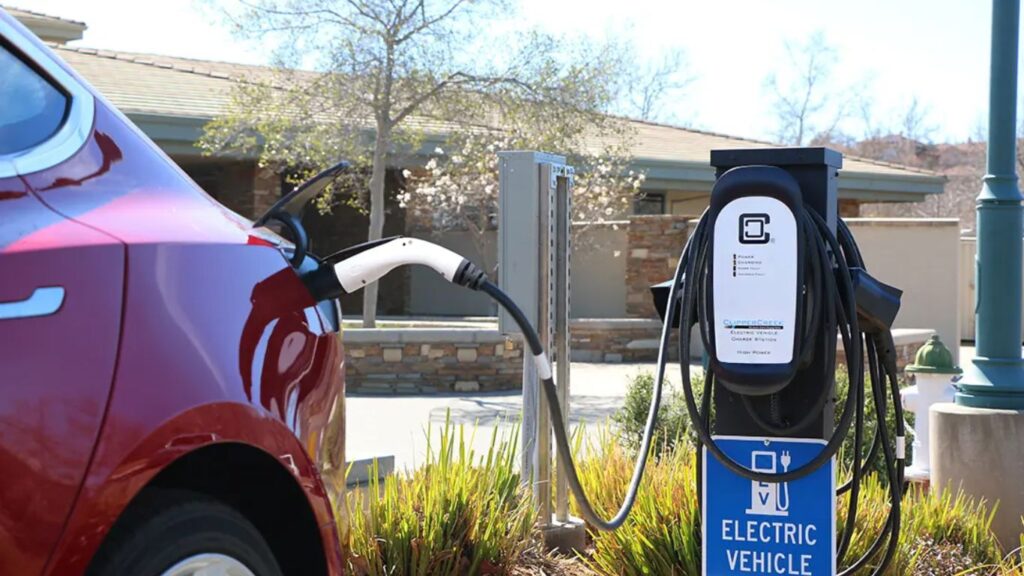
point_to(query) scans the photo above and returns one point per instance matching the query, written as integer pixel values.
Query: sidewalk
(397, 425)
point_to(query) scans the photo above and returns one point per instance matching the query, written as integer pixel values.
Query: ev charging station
(772, 278)
(757, 248)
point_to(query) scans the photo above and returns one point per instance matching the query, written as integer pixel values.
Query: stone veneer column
(654, 245)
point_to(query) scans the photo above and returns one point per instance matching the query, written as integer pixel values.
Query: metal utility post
(534, 246)
(559, 217)
(989, 404)
(995, 379)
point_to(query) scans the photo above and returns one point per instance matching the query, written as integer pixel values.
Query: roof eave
(177, 135)
(52, 29)
(853, 185)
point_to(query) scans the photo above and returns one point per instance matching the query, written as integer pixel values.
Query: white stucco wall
(598, 276)
(920, 257)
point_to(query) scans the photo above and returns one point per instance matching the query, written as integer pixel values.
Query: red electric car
(168, 387)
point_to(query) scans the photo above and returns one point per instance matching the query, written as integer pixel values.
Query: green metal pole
(995, 379)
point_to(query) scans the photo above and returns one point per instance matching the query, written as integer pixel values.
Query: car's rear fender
(240, 456)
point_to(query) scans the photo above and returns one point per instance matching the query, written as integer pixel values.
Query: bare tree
(652, 86)
(907, 140)
(915, 123)
(386, 71)
(805, 104)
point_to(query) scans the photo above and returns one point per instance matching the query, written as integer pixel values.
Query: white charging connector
(356, 272)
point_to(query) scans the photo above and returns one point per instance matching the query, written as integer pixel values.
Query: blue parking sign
(779, 529)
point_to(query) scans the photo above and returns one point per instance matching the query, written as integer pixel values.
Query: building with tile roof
(172, 98)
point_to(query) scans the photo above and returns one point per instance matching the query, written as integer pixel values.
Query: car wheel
(181, 533)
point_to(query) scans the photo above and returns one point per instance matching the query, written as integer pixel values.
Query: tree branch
(428, 22)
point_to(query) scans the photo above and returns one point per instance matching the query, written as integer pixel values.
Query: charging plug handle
(368, 262)
(877, 302)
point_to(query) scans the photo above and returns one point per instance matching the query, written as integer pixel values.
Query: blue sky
(891, 51)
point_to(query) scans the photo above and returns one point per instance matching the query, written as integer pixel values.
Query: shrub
(458, 514)
(673, 425)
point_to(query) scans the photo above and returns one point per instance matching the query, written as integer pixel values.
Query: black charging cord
(849, 329)
(830, 296)
(558, 424)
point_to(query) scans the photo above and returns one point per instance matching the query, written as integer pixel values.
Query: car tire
(168, 531)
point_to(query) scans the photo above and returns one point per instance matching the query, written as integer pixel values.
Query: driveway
(397, 425)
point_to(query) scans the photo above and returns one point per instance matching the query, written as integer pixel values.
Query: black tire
(165, 527)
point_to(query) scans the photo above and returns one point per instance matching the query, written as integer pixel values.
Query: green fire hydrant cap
(934, 358)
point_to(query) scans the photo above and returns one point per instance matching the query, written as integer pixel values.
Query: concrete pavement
(397, 425)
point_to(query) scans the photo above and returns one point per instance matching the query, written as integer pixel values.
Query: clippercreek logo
(754, 229)
(753, 324)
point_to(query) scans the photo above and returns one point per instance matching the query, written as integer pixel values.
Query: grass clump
(943, 533)
(662, 534)
(460, 513)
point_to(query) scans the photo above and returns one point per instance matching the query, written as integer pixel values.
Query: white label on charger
(755, 273)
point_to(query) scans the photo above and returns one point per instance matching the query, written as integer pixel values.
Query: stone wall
(617, 340)
(654, 246)
(452, 360)
(431, 361)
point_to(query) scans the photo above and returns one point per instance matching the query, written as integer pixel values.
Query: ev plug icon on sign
(754, 229)
(766, 498)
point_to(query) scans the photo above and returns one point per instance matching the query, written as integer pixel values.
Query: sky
(889, 51)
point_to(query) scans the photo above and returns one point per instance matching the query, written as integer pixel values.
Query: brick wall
(346, 226)
(655, 243)
(849, 208)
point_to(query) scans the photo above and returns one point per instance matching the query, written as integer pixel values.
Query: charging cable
(833, 294)
(355, 272)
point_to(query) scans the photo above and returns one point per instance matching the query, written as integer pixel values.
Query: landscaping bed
(465, 513)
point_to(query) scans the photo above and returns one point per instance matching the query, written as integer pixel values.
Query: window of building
(650, 203)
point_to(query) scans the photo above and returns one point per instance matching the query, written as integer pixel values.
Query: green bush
(673, 425)
(458, 514)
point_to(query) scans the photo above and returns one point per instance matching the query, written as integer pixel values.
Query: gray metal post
(560, 184)
(533, 237)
